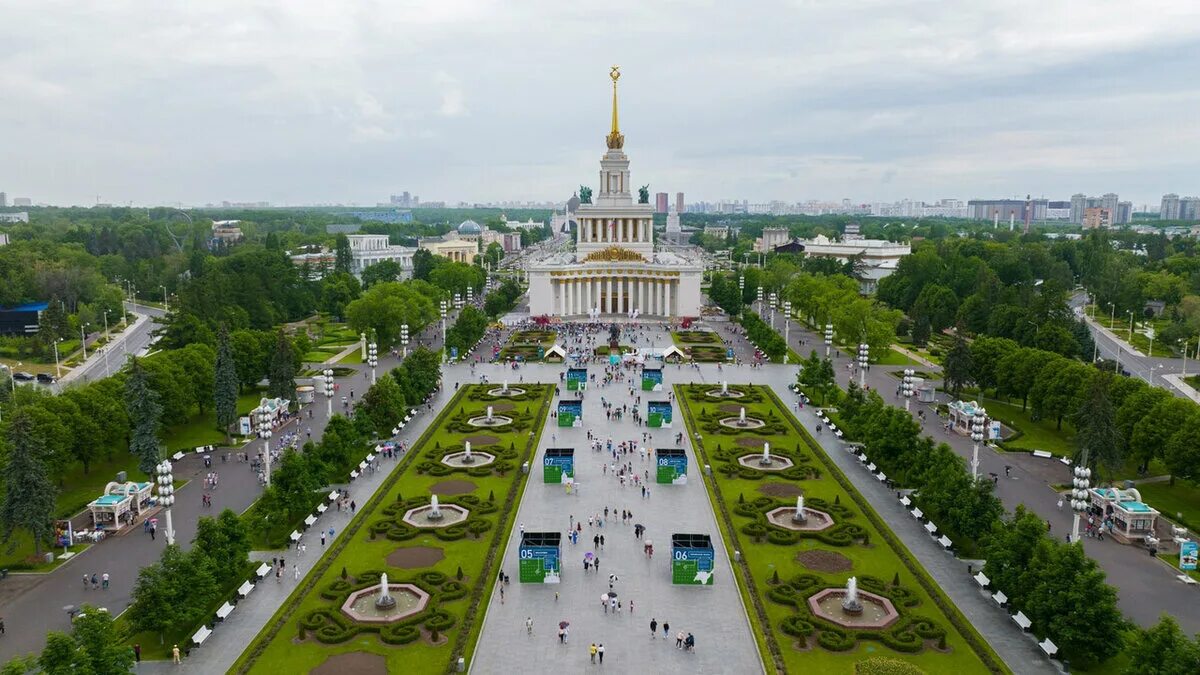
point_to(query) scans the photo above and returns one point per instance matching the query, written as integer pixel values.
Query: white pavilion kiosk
(120, 505)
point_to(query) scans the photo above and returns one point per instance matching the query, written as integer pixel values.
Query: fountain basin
(484, 421)
(876, 610)
(407, 600)
(451, 515)
(501, 391)
(717, 393)
(814, 520)
(458, 459)
(754, 461)
(740, 423)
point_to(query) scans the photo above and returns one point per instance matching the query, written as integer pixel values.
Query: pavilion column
(575, 296)
(620, 294)
(662, 291)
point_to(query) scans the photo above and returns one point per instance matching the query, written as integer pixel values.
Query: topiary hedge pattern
(908, 634)
(433, 465)
(393, 527)
(330, 626)
(842, 533)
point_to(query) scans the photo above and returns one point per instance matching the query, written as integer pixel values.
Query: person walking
(592, 651)
(137, 652)
(104, 581)
(666, 631)
(529, 625)
(600, 651)
(175, 655)
(653, 629)
(679, 640)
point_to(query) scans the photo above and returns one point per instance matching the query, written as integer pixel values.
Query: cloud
(309, 101)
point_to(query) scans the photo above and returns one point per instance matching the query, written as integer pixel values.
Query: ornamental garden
(528, 345)
(825, 581)
(410, 581)
(703, 346)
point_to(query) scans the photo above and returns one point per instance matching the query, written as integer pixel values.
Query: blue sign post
(692, 558)
(557, 463)
(576, 379)
(540, 554)
(671, 466)
(1188, 552)
(658, 414)
(652, 378)
(569, 412)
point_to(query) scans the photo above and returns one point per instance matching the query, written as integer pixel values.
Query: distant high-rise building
(22, 201)
(405, 200)
(1169, 209)
(1096, 217)
(1080, 203)
(679, 202)
(1005, 210)
(660, 202)
(1124, 212)
(3, 199)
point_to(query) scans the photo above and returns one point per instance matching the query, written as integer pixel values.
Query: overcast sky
(298, 102)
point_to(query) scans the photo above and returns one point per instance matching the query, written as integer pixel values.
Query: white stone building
(615, 269)
(369, 249)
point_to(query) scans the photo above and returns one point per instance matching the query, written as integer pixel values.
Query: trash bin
(462, 665)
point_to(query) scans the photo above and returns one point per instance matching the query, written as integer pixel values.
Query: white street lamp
(908, 387)
(978, 422)
(443, 309)
(787, 324)
(1079, 493)
(166, 496)
(760, 299)
(265, 433)
(106, 341)
(774, 300)
(828, 338)
(57, 367)
(372, 359)
(404, 338)
(328, 375)
(864, 356)
(458, 303)
(83, 339)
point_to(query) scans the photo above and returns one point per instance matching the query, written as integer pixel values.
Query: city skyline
(303, 104)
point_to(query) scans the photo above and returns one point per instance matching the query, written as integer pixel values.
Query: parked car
(45, 378)
(23, 376)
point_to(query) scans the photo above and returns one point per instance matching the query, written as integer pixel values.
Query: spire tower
(615, 139)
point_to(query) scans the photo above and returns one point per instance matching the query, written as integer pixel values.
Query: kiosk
(692, 559)
(577, 379)
(671, 466)
(557, 463)
(570, 413)
(658, 414)
(540, 553)
(652, 378)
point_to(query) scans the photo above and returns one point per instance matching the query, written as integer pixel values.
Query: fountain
(435, 515)
(724, 391)
(742, 418)
(850, 603)
(800, 516)
(490, 417)
(385, 599)
(504, 389)
(435, 512)
(467, 458)
(724, 387)
(766, 456)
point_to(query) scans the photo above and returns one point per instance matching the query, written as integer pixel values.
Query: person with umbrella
(562, 631)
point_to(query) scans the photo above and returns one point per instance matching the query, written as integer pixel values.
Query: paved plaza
(713, 614)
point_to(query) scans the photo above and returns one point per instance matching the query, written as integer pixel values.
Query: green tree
(986, 354)
(1061, 574)
(386, 306)
(1060, 388)
(938, 304)
(172, 594)
(250, 355)
(283, 369)
(338, 290)
(1096, 427)
(1163, 649)
(142, 406)
(816, 375)
(1020, 370)
(921, 329)
(1182, 454)
(197, 362)
(383, 406)
(94, 647)
(1009, 550)
(342, 257)
(28, 499)
(1152, 433)
(225, 383)
(385, 270)
(1136, 406)
(424, 262)
(957, 367)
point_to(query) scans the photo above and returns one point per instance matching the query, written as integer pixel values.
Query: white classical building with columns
(615, 269)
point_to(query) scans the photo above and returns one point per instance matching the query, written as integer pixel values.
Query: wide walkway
(714, 614)
(1146, 587)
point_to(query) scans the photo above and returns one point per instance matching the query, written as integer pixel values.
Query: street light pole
(404, 338)
(445, 353)
(264, 432)
(57, 367)
(83, 339)
(864, 355)
(828, 338)
(328, 375)
(908, 387)
(164, 290)
(104, 349)
(372, 359)
(787, 325)
(773, 302)
(978, 421)
(1079, 493)
(166, 496)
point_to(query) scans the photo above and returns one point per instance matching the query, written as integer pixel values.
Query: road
(1111, 346)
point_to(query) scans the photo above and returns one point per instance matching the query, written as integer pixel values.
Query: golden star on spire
(615, 139)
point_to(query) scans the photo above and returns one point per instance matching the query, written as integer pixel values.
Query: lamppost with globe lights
(787, 325)
(828, 338)
(83, 339)
(1079, 493)
(773, 302)
(443, 308)
(166, 495)
(458, 302)
(265, 433)
(373, 358)
(741, 288)
(978, 422)
(404, 338)
(864, 355)
(328, 375)
(760, 300)
(908, 387)
(470, 295)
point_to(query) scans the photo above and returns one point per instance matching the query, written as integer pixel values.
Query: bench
(177, 456)
(1187, 579)
(983, 581)
(201, 635)
(245, 589)
(310, 520)
(917, 513)
(1021, 620)
(1000, 598)
(905, 501)
(881, 476)
(871, 467)
(1044, 454)
(332, 495)
(1065, 460)
(224, 612)
(295, 535)
(945, 542)
(354, 474)
(1049, 647)
(262, 570)
(321, 508)
(930, 528)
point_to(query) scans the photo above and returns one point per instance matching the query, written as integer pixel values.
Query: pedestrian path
(714, 614)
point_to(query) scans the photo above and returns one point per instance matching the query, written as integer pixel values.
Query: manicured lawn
(378, 532)
(857, 539)
(895, 358)
(353, 357)
(20, 558)
(1181, 498)
(1036, 435)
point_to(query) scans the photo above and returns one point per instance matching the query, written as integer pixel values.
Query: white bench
(245, 589)
(224, 612)
(1065, 460)
(881, 476)
(917, 513)
(905, 501)
(1044, 454)
(838, 433)
(262, 570)
(982, 580)
(201, 635)
(354, 474)
(1049, 647)
(294, 536)
(371, 457)
(1022, 620)
(362, 464)
(1187, 579)
(333, 495)
(1000, 598)
(945, 542)
(871, 467)
(309, 520)
(321, 508)
(930, 527)
(177, 456)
